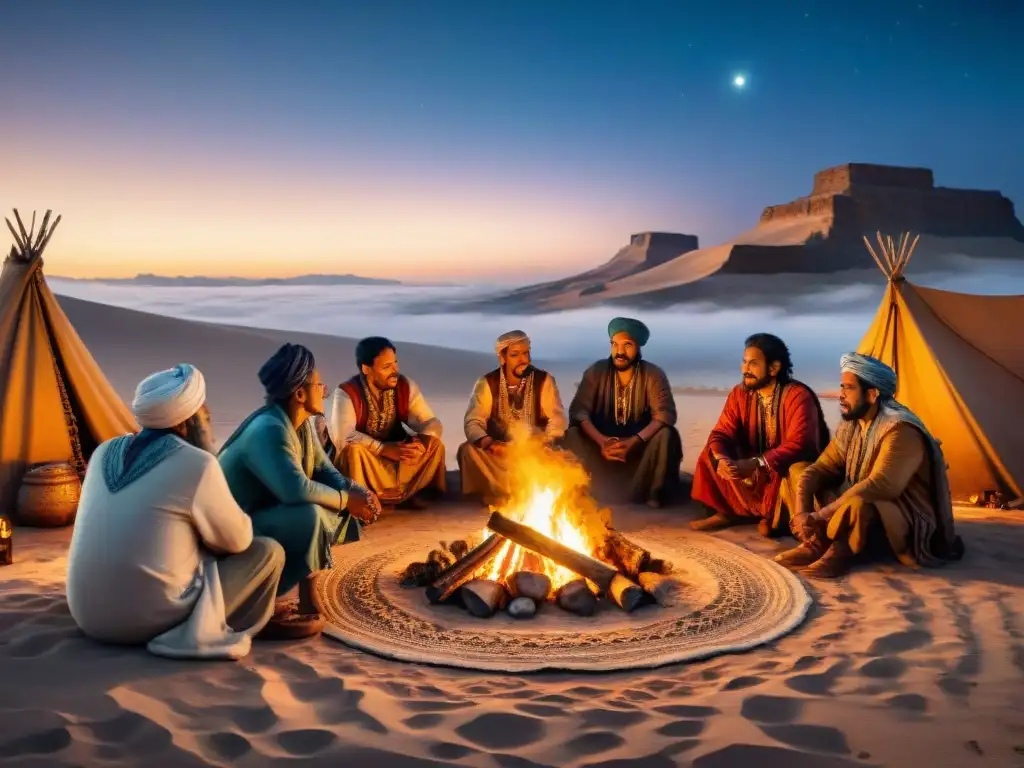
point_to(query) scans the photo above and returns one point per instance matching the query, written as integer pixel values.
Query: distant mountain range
(199, 281)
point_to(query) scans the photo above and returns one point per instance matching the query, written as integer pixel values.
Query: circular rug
(733, 600)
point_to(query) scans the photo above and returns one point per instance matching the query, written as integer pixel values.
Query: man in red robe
(771, 429)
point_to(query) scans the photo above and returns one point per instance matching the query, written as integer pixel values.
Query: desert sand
(891, 668)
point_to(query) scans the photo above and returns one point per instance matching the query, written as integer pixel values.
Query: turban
(167, 398)
(636, 330)
(872, 371)
(506, 340)
(286, 371)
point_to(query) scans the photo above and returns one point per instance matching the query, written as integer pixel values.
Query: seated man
(161, 553)
(514, 393)
(770, 431)
(279, 474)
(623, 420)
(369, 414)
(887, 475)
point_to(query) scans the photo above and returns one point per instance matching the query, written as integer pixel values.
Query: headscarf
(506, 340)
(636, 330)
(167, 398)
(286, 371)
(872, 371)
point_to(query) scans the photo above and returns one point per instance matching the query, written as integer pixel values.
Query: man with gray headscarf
(161, 553)
(882, 473)
(514, 395)
(279, 474)
(623, 420)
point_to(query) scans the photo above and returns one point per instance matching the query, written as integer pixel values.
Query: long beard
(197, 434)
(755, 384)
(856, 413)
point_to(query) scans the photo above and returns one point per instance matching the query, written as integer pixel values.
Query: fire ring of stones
(733, 600)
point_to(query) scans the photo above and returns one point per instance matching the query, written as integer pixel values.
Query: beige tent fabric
(45, 366)
(960, 364)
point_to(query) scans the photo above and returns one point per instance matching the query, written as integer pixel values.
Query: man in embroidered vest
(771, 429)
(623, 420)
(161, 554)
(279, 474)
(882, 473)
(372, 415)
(514, 394)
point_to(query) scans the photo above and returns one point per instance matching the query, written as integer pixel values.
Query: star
(739, 81)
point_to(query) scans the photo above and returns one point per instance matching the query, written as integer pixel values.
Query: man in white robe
(161, 554)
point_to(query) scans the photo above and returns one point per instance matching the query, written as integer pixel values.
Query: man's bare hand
(727, 469)
(746, 467)
(363, 504)
(391, 451)
(412, 450)
(497, 448)
(611, 449)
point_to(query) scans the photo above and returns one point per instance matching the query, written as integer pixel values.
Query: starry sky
(469, 140)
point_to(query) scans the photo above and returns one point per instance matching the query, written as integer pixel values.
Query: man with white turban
(278, 472)
(882, 473)
(515, 395)
(623, 421)
(161, 553)
(384, 433)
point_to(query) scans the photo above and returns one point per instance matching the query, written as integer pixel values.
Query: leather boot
(813, 544)
(836, 562)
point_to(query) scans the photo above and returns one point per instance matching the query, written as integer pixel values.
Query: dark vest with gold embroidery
(354, 389)
(493, 379)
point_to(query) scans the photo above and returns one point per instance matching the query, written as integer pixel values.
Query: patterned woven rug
(734, 600)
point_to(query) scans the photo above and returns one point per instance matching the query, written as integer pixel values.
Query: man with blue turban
(279, 474)
(623, 420)
(884, 473)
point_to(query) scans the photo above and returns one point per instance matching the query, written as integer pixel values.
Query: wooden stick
(482, 597)
(664, 589)
(462, 571)
(21, 226)
(625, 593)
(17, 237)
(42, 230)
(46, 240)
(533, 540)
(631, 558)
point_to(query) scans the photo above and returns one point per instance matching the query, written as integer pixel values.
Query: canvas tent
(55, 403)
(960, 362)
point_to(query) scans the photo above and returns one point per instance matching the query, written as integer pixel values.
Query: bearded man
(882, 473)
(370, 414)
(161, 554)
(623, 420)
(280, 475)
(514, 395)
(770, 430)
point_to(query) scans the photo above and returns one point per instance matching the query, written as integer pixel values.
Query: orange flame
(549, 493)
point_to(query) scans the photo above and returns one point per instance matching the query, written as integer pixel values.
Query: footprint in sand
(593, 743)
(739, 683)
(514, 761)
(226, 745)
(682, 729)
(305, 741)
(657, 760)
(686, 710)
(774, 710)
(900, 642)
(886, 667)
(819, 738)
(47, 742)
(448, 750)
(611, 718)
(909, 702)
(502, 730)
(424, 721)
(769, 757)
(818, 684)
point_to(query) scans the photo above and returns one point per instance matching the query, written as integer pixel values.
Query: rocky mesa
(817, 235)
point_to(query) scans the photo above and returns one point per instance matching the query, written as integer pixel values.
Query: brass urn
(48, 497)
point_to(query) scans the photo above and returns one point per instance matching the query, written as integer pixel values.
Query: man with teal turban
(882, 473)
(623, 420)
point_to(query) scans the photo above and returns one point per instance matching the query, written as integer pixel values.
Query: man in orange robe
(771, 429)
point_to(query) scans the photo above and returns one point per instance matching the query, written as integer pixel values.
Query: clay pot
(48, 497)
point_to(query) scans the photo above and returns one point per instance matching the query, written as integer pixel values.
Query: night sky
(448, 139)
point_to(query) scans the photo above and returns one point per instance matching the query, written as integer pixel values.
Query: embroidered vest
(493, 380)
(354, 389)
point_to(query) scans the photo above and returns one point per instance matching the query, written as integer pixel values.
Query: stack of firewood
(622, 573)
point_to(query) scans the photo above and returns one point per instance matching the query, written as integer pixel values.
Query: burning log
(536, 586)
(665, 590)
(522, 608)
(482, 597)
(624, 593)
(533, 540)
(462, 571)
(576, 597)
(657, 565)
(631, 558)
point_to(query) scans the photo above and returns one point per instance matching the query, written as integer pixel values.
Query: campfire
(548, 542)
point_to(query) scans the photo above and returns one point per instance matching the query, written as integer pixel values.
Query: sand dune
(893, 667)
